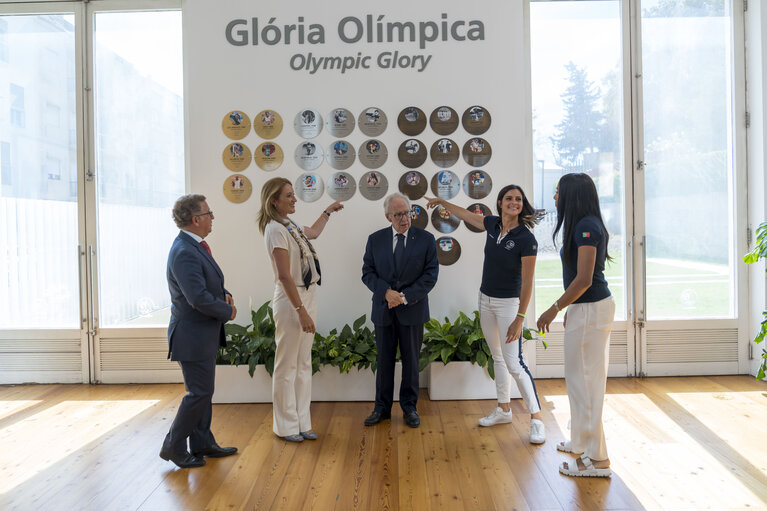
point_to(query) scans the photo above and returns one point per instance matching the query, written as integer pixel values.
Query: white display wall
(479, 56)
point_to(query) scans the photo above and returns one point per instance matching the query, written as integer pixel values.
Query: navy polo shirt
(502, 269)
(588, 232)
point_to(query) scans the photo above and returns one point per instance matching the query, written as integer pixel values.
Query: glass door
(688, 161)
(43, 311)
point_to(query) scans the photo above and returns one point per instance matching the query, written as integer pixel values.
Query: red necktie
(206, 247)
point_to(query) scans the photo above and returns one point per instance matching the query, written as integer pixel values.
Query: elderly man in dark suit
(400, 268)
(200, 307)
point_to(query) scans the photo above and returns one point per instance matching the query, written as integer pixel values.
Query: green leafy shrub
(354, 346)
(250, 345)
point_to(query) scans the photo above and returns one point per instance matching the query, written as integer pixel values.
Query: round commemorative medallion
(445, 184)
(236, 125)
(373, 153)
(308, 155)
(372, 121)
(448, 250)
(411, 121)
(418, 216)
(412, 153)
(267, 124)
(309, 187)
(340, 122)
(373, 185)
(443, 120)
(477, 152)
(236, 157)
(477, 184)
(308, 123)
(476, 120)
(444, 153)
(269, 156)
(443, 220)
(412, 184)
(237, 188)
(340, 155)
(341, 186)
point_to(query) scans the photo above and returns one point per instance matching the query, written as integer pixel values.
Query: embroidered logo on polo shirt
(509, 245)
(586, 234)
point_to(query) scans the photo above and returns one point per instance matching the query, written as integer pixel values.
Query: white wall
(220, 77)
(756, 66)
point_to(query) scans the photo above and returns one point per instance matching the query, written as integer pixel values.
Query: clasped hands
(230, 301)
(394, 298)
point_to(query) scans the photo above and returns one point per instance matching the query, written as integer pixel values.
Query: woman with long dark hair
(507, 285)
(296, 274)
(588, 321)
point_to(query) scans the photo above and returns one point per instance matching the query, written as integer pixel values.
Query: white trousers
(495, 316)
(587, 346)
(292, 378)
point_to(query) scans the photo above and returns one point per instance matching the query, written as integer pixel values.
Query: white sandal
(566, 447)
(589, 469)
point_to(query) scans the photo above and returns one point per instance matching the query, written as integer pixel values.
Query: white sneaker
(497, 416)
(537, 431)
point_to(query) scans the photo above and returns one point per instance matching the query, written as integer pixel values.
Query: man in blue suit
(400, 268)
(200, 305)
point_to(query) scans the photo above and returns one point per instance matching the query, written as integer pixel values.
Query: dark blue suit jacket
(198, 302)
(418, 277)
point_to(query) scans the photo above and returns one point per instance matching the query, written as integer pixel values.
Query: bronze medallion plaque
(478, 209)
(476, 120)
(267, 124)
(412, 184)
(418, 216)
(443, 220)
(477, 184)
(373, 185)
(448, 250)
(412, 153)
(477, 152)
(445, 184)
(411, 121)
(443, 120)
(373, 153)
(237, 188)
(444, 153)
(340, 155)
(340, 122)
(308, 155)
(236, 157)
(269, 156)
(308, 123)
(341, 186)
(372, 121)
(236, 125)
(309, 187)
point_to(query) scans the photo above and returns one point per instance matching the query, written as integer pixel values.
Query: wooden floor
(675, 443)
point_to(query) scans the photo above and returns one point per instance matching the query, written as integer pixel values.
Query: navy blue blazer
(418, 277)
(198, 302)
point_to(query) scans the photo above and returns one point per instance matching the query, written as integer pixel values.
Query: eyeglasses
(209, 212)
(400, 215)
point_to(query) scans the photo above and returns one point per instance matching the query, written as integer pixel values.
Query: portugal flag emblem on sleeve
(586, 234)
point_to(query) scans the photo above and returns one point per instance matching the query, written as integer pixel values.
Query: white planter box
(328, 384)
(234, 385)
(462, 380)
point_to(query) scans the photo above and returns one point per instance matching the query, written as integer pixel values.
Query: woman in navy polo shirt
(507, 284)
(588, 321)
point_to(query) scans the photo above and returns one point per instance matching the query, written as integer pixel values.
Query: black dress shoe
(412, 419)
(184, 460)
(215, 451)
(376, 417)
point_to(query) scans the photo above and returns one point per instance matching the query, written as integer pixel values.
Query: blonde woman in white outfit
(588, 322)
(296, 275)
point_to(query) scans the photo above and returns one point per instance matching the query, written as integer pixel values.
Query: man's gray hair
(395, 195)
(186, 207)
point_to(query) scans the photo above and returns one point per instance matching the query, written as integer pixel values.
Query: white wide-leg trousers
(292, 378)
(587, 346)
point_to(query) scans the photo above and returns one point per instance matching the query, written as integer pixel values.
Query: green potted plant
(758, 253)
(251, 346)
